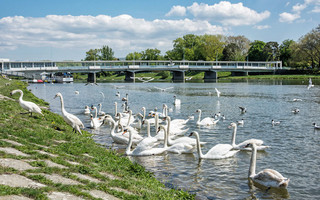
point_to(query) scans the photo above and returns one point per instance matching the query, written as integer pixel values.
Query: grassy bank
(52, 135)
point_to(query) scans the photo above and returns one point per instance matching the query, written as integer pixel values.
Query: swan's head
(58, 95)
(125, 131)
(193, 133)
(232, 125)
(99, 104)
(198, 110)
(86, 107)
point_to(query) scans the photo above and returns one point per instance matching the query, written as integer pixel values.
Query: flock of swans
(170, 135)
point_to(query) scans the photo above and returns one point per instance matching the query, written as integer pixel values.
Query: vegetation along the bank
(47, 145)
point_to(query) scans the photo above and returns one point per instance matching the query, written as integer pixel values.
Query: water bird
(188, 78)
(176, 102)
(163, 89)
(315, 126)
(86, 110)
(295, 111)
(118, 94)
(206, 121)
(310, 84)
(266, 177)
(219, 151)
(295, 100)
(69, 118)
(218, 92)
(76, 92)
(240, 122)
(274, 123)
(100, 113)
(27, 105)
(241, 146)
(243, 109)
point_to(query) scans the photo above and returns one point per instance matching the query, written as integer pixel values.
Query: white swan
(315, 126)
(118, 94)
(69, 118)
(27, 105)
(174, 130)
(118, 138)
(86, 110)
(274, 123)
(266, 177)
(208, 121)
(240, 122)
(176, 102)
(218, 92)
(77, 92)
(178, 148)
(95, 122)
(149, 141)
(219, 151)
(242, 145)
(141, 151)
(100, 110)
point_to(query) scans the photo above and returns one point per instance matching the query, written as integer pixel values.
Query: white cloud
(228, 14)
(261, 27)
(299, 7)
(316, 9)
(177, 11)
(121, 33)
(288, 17)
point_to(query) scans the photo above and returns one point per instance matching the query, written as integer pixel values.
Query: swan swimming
(242, 145)
(69, 118)
(219, 151)
(315, 126)
(27, 105)
(86, 110)
(218, 92)
(266, 177)
(176, 102)
(208, 121)
(100, 110)
(274, 123)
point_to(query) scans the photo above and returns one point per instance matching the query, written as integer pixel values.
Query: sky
(34, 30)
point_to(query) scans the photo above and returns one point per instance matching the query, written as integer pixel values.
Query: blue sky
(66, 29)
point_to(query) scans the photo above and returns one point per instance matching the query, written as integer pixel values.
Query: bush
(164, 74)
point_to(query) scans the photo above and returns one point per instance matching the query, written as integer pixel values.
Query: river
(294, 150)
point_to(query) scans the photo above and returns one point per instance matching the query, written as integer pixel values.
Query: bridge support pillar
(210, 76)
(130, 76)
(178, 76)
(239, 73)
(92, 78)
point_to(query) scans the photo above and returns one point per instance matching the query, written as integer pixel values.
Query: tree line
(304, 53)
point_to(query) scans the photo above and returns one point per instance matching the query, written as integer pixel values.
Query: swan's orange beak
(125, 131)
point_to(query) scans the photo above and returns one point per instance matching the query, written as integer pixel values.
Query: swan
(27, 105)
(149, 141)
(76, 92)
(275, 123)
(242, 145)
(240, 122)
(86, 110)
(175, 129)
(141, 151)
(118, 94)
(95, 122)
(218, 92)
(118, 138)
(266, 177)
(176, 102)
(206, 121)
(69, 118)
(100, 111)
(219, 151)
(178, 148)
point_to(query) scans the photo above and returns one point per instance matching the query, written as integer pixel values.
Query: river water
(294, 143)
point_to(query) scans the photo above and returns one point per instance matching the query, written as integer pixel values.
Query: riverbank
(41, 158)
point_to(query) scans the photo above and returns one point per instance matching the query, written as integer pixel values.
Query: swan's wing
(181, 148)
(269, 177)
(256, 141)
(146, 143)
(74, 120)
(220, 149)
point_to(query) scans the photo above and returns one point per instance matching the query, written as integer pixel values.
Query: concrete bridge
(130, 68)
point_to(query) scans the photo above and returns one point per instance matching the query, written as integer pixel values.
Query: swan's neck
(234, 133)
(148, 128)
(130, 113)
(21, 95)
(113, 127)
(128, 149)
(144, 113)
(198, 146)
(156, 119)
(164, 114)
(252, 169)
(96, 114)
(199, 116)
(116, 109)
(165, 139)
(100, 107)
(168, 125)
(62, 104)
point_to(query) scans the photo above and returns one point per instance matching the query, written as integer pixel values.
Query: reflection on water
(295, 145)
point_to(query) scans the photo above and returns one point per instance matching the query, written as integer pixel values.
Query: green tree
(231, 53)
(106, 53)
(286, 52)
(242, 46)
(151, 54)
(92, 54)
(271, 51)
(211, 47)
(134, 56)
(255, 52)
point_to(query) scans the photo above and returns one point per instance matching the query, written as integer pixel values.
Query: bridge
(130, 68)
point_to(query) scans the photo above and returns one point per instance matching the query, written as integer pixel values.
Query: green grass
(35, 133)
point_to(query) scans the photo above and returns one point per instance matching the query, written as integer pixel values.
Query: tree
(211, 47)
(106, 53)
(271, 51)
(134, 56)
(286, 52)
(231, 53)
(151, 54)
(92, 54)
(242, 46)
(255, 52)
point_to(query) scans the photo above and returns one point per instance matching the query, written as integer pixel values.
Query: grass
(37, 133)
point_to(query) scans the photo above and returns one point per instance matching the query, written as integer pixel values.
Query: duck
(219, 151)
(242, 145)
(267, 177)
(27, 105)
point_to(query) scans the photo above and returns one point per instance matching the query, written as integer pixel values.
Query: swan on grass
(27, 105)
(242, 145)
(219, 151)
(69, 118)
(141, 151)
(266, 177)
(178, 148)
(208, 121)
